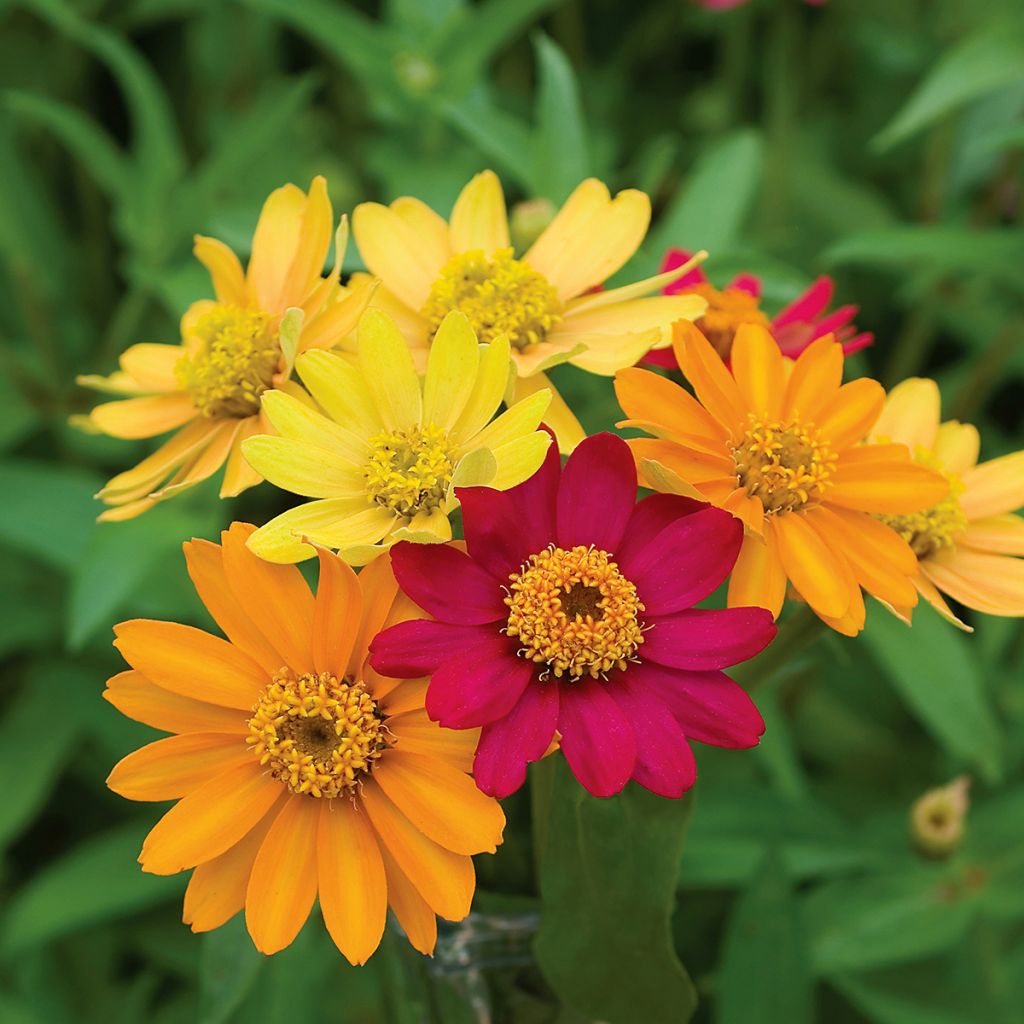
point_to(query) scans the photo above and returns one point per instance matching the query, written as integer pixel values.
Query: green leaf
(501, 138)
(932, 668)
(764, 973)
(989, 59)
(857, 924)
(228, 967)
(97, 881)
(607, 880)
(561, 158)
(712, 206)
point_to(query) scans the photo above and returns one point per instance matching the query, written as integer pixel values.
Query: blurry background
(879, 141)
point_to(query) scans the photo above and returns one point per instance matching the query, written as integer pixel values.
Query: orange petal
(444, 879)
(380, 588)
(1000, 535)
(209, 820)
(408, 696)
(758, 578)
(442, 802)
(757, 367)
(884, 487)
(353, 888)
(993, 584)
(216, 891)
(190, 662)
(687, 463)
(413, 912)
(814, 380)
(144, 417)
(172, 767)
(855, 408)
(994, 487)
(415, 733)
(813, 566)
(648, 396)
(714, 385)
(748, 509)
(135, 696)
(225, 270)
(238, 474)
(282, 884)
(337, 615)
(275, 597)
(152, 367)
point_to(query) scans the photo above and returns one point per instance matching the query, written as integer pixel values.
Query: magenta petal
(676, 258)
(503, 528)
(747, 283)
(664, 760)
(701, 638)
(597, 739)
(709, 706)
(858, 342)
(447, 583)
(597, 494)
(834, 321)
(479, 685)
(687, 561)
(663, 357)
(421, 646)
(809, 305)
(506, 746)
(649, 518)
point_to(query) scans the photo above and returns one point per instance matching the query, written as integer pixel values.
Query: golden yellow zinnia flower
(300, 773)
(233, 349)
(385, 464)
(543, 301)
(965, 544)
(777, 443)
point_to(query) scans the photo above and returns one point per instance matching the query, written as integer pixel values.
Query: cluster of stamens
(574, 612)
(786, 466)
(935, 528)
(235, 365)
(727, 311)
(317, 734)
(498, 294)
(409, 471)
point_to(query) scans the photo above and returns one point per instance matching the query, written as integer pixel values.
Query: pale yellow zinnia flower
(384, 461)
(543, 301)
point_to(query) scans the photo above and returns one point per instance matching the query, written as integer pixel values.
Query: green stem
(542, 783)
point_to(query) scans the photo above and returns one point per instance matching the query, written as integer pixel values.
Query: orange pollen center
(727, 311)
(317, 734)
(574, 612)
(786, 466)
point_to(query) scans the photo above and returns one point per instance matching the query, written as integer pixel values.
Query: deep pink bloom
(572, 610)
(804, 320)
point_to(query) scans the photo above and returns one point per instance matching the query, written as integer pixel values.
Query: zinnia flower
(966, 543)
(572, 609)
(544, 301)
(208, 388)
(384, 462)
(298, 771)
(777, 443)
(804, 320)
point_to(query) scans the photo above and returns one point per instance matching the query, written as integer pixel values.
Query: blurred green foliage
(881, 142)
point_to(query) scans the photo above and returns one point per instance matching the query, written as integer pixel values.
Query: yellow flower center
(409, 470)
(784, 465)
(727, 311)
(235, 365)
(499, 295)
(937, 527)
(574, 612)
(317, 734)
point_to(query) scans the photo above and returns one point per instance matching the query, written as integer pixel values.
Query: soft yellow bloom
(965, 545)
(233, 349)
(544, 301)
(386, 459)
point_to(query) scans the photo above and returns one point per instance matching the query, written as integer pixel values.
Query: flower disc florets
(499, 295)
(409, 471)
(728, 309)
(574, 612)
(317, 734)
(236, 364)
(784, 465)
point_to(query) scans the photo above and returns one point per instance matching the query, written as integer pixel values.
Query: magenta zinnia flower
(572, 610)
(804, 320)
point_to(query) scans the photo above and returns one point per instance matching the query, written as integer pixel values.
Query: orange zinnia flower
(777, 443)
(968, 544)
(298, 770)
(233, 349)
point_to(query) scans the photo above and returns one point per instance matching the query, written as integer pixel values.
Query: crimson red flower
(572, 610)
(804, 320)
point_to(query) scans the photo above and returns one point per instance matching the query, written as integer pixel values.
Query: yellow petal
(1000, 535)
(492, 380)
(558, 416)
(152, 367)
(274, 243)
(478, 219)
(144, 417)
(451, 371)
(633, 316)
(303, 468)
(417, 734)
(606, 354)
(306, 265)
(388, 371)
(430, 228)
(225, 270)
(518, 460)
(238, 474)
(911, 414)
(957, 446)
(931, 594)
(994, 487)
(340, 388)
(993, 584)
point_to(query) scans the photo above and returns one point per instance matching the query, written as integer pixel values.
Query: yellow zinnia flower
(385, 464)
(208, 388)
(778, 444)
(544, 301)
(299, 771)
(965, 544)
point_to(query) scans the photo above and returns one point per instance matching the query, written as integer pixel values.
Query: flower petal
(303, 468)
(421, 646)
(758, 369)
(1000, 535)
(597, 738)
(648, 396)
(714, 385)
(993, 584)
(883, 486)
(225, 270)
(957, 446)
(492, 379)
(814, 381)
(911, 414)
(650, 516)
(813, 565)
(144, 417)
(855, 408)
(597, 493)
(337, 615)
(388, 371)
(703, 638)
(994, 487)
(414, 914)
(448, 584)
(415, 733)
(478, 219)
(451, 371)
(340, 388)
(274, 243)
(139, 699)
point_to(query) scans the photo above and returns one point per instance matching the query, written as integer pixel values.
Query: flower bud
(937, 818)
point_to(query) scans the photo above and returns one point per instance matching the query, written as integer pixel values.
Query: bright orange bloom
(777, 443)
(208, 388)
(299, 771)
(967, 543)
